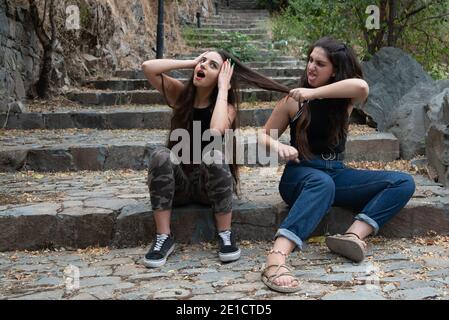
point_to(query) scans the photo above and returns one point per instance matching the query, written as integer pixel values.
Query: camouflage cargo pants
(171, 185)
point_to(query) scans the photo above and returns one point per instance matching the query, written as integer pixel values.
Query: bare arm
(224, 113)
(278, 122)
(355, 89)
(154, 71)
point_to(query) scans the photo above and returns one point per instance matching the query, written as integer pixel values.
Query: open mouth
(200, 74)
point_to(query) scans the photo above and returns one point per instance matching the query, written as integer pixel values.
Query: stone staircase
(49, 200)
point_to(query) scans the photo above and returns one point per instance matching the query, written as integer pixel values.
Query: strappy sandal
(269, 280)
(348, 245)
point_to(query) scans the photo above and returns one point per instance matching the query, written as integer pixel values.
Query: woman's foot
(348, 245)
(163, 246)
(228, 249)
(277, 275)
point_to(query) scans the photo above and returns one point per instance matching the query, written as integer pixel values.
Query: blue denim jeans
(311, 187)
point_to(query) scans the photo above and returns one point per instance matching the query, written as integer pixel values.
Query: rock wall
(19, 55)
(112, 35)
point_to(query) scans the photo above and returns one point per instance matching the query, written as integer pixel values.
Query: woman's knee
(160, 167)
(159, 158)
(407, 183)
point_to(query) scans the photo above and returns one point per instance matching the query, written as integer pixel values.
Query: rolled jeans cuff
(290, 236)
(363, 217)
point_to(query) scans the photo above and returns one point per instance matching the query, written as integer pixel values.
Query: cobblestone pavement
(102, 188)
(395, 269)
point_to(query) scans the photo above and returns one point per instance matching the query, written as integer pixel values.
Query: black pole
(160, 31)
(198, 20)
(216, 8)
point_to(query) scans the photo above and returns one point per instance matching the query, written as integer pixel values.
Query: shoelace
(160, 239)
(226, 236)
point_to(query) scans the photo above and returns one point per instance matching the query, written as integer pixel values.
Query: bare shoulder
(291, 107)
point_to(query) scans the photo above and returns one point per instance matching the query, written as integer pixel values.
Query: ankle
(274, 258)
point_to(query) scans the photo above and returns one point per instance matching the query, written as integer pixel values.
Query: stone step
(241, 4)
(287, 64)
(243, 30)
(249, 16)
(232, 19)
(199, 36)
(92, 149)
(226, 11)
(114, 98)
(247, 31)
(232, 26)
(78, 210)
(262, 54)
(110, 118)
(267, 71)
(202, 43)
(123, 117)
(141, 84)
(267, 59)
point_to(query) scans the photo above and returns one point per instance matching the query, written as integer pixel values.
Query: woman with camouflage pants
(210, 99)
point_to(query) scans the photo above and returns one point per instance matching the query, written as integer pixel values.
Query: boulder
(406, 120)
(391, 73)
(437, 135)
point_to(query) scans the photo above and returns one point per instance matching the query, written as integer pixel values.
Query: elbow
(146, 65)
(217, 130)
(363, 90)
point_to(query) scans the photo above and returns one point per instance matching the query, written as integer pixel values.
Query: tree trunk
(43, 84)
(375, 40)
(392, 15)
(48, 44)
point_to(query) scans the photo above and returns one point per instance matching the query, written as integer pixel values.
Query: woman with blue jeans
(315, 177)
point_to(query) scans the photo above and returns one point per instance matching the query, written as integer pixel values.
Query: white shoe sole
(158, 263)
(228, 257)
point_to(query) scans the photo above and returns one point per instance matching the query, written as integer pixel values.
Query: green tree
(416, 26)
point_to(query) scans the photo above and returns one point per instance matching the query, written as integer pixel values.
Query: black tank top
(204, 116)
(318, 131)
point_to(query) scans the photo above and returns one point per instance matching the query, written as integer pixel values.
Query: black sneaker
(228, 248)
(163, 246)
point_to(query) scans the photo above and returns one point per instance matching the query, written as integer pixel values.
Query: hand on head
(225, 76)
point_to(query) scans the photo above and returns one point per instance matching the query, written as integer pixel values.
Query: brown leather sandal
(269, 280)
(348, 245)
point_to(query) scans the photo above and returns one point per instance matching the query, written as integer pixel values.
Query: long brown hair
(183, 109)
(346, 65)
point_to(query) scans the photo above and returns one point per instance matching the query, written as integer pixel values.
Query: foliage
(416, 26)
(239, 46)
(272, 5)
(234, 42)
